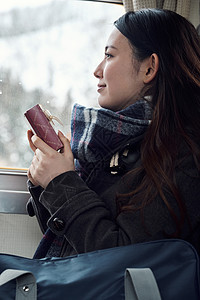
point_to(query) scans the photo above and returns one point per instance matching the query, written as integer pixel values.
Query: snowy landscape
(48, 52)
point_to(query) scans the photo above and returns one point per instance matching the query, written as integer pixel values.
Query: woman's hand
(47, 163)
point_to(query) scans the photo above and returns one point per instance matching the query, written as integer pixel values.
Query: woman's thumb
(64, 140)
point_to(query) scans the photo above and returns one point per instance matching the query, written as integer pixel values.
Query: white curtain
(190, 9)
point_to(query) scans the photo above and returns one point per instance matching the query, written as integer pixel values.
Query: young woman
(138, 157)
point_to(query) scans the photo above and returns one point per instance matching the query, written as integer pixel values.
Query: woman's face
(120, 75)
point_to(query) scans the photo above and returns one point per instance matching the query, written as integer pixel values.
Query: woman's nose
(98, 73)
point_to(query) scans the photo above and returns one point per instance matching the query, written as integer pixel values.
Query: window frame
(13, 191)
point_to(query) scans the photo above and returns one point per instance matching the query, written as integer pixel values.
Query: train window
(49, 50)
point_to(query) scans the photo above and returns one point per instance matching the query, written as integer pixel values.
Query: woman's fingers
(29, 135)
(67, 149)
(34, 182)
(35, 142)
(47, 163)
(40, 144)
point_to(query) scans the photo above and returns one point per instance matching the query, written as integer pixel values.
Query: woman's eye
(108, 55)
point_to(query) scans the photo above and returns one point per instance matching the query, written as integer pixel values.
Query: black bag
(99, 275)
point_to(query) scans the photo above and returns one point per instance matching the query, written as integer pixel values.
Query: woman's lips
(100, 87)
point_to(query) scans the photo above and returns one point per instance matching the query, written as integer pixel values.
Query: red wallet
(41, 126)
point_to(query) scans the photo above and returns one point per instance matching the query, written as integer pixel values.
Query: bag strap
(26, 286)
(140, 284)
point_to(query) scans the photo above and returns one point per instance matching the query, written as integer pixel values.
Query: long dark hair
(175, 93)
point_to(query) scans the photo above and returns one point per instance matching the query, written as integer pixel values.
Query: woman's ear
(151, 68)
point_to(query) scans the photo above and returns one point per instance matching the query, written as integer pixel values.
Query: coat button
(58, 224)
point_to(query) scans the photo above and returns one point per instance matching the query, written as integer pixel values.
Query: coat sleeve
(80, 215)
(35, 208)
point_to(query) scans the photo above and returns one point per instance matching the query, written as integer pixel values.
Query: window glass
(49, 50)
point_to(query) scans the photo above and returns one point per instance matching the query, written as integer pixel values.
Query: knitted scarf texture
(97, 134)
